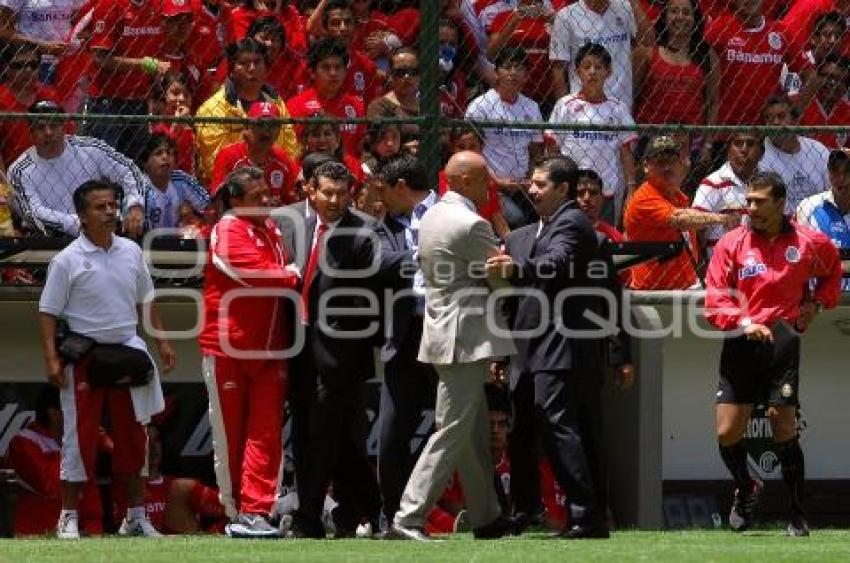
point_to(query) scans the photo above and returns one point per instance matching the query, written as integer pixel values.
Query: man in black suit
(336, 251)
(409, 385)
(551, 372)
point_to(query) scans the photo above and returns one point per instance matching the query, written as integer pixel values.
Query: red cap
(259, 110)
(172, 8)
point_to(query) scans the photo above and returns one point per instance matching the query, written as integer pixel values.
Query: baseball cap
(261, 110)
(661, 144)
(45, 106)
(172, 8)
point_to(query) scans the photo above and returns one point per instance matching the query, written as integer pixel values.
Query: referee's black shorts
(758, 373)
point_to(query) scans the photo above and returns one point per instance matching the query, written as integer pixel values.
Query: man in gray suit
(458, 339)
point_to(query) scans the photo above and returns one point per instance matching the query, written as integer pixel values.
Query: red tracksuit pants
(246, 416)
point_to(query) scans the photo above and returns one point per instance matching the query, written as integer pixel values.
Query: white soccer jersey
(720, 192)
(44, 188)
(803, 172)
(577, 25)
(506, 150)
(597, 150)
(48, 20)
(162, 208)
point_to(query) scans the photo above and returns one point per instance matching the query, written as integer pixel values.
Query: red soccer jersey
(671, 93)
(239, 20)
(750, 66)
(308, 103)
(362, 78)
(800, 20)
(126, 29)
(814, 114)
(279, 169)
(772, 276)
(377, 21)
(206, 41)
(405, 24)
(15, 134)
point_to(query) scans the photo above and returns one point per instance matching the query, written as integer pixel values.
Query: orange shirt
(647, 219)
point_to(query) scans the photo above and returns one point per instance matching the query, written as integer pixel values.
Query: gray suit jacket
(454, 242)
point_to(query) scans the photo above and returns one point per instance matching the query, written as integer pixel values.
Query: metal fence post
(429, 102)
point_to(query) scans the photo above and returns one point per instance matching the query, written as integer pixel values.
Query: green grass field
(655, 547)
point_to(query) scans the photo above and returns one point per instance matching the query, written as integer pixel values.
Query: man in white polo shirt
(509, 150)
(100, 285)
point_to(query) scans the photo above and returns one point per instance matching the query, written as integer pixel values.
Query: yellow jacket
(210, 137)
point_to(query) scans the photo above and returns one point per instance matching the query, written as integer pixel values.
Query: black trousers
(329, 444)
(523, 449)
(569, 416)
(409, 387)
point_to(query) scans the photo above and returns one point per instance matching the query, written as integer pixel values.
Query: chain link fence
(165, 97)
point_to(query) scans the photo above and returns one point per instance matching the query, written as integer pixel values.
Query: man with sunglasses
(20, 89)
(402, 100)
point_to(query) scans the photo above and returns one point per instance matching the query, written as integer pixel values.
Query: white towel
(147, 399)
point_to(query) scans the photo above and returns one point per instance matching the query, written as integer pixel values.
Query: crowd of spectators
(594, 62)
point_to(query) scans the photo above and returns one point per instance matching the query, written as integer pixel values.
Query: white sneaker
(68, 527)
(138, 527)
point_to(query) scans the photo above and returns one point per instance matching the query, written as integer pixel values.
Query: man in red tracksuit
(242, 345)
(765, 284)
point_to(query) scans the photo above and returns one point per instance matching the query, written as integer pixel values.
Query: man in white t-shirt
(725, 189)
(614, 24)
(46, 23)
(608, 153)
(800, 162)
(509, 150)
(45, 175)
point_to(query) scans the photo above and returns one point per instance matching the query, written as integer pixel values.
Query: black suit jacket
(397, 270)
(558, 260)
(350, 247)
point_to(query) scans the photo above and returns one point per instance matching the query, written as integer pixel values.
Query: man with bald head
(458, 339)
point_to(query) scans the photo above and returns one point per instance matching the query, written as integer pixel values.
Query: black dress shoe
(398, 532)
(526, 520)
(585, 532)
(500, 527)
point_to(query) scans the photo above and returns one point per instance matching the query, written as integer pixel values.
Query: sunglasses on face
(405, 72)
(20, 65)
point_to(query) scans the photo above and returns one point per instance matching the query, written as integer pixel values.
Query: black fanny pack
(109, 365)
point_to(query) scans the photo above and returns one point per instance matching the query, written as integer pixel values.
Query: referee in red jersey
(766, 282)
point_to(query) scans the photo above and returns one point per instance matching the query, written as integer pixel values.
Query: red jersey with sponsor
(35, 455)
(362, 78)
(308, 104)
(126, 29)
(532, 34)
(15, 134)
(751, 63)
(772, 276)
(492, 206)
(244, 255)
(671, 93)
(815, 114)
(280, 171)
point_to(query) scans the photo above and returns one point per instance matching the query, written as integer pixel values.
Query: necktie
(310, 271)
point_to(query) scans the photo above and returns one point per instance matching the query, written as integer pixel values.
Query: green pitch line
(653, 547)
